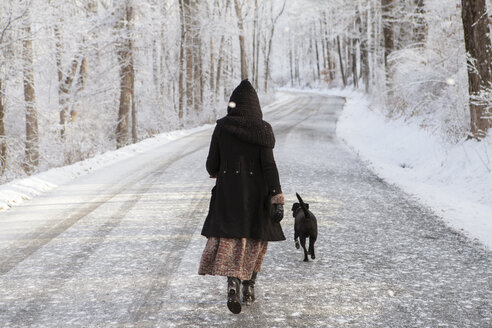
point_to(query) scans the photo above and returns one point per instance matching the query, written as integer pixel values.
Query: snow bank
(455, 180)
(16, 191)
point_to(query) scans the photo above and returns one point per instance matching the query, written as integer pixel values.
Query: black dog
(305, 226)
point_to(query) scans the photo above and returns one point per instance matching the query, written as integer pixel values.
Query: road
(120, 247)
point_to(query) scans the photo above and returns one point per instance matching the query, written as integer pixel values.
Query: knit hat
(244, 119)
(244, 101)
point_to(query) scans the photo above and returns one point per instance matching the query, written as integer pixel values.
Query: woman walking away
(246, 204)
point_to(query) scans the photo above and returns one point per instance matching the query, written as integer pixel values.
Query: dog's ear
(295, 206)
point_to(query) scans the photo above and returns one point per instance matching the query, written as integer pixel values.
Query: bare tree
(420, 29)
(388, 30)
(344, 79)
(256, 46)
(3, 143)
(242, 43)
(478, 47)
(32, 136)
(273, 22)
(364, 47)
(125, 61)
(182, 64)
(65, 80)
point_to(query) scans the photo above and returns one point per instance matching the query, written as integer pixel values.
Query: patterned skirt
(232, 257)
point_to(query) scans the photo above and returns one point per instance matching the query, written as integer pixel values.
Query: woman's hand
(278, 207)
(278, 212)
(278, 199)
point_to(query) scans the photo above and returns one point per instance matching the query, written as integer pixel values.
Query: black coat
(241, 158)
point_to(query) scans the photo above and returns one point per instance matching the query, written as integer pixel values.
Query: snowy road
(120, 247)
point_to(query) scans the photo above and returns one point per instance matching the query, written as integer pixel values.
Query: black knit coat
(241, 158)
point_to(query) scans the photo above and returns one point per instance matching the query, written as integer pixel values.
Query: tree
(273, 22)
(420, 29)
(479, 60)
(3, 143)
(125, 61)
(32, 136)
(242, 43)
(344, 79)
(388, 31)
(65, 80)
(364, 30)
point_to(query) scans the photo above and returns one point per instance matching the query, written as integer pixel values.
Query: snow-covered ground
(455, 180)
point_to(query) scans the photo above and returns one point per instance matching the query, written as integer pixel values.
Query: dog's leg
(303, 244)
(311, 247)
(296, 241)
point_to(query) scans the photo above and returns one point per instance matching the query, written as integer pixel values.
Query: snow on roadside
(455, 180)
(19, 190)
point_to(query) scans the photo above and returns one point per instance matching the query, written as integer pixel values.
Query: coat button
(273, 190)
(237, 171)
(224, 171)
(251, 173)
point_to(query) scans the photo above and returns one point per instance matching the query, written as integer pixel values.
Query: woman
(246, 204)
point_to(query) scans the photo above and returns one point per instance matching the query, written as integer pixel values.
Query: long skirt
(232, 257)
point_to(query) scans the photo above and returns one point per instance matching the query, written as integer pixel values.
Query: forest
(78, 78)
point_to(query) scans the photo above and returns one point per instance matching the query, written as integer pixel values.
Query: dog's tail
(303, 206)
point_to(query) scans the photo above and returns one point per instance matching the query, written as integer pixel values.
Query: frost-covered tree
(32, 130)
(126, 111)
(479, 60)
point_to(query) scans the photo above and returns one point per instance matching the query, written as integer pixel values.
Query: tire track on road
(42, 236)
(152, 301)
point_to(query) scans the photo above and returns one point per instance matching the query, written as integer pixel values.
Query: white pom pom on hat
(232, 104)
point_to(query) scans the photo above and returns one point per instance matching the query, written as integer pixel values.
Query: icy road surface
(120, 247)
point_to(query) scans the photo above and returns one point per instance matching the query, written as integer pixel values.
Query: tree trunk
(134, 113)
(32, 136)
(341, 61)
(219, 64)
(388, 30)
(212, 64)
(270, 42)
(196, 46)
(477, 43)
(3, 141)
(220, 61)
(254, 69)
(354, 63)
(291, 62)
(329, 60)
(355, 48)
(420, 29)
(181, 88)
(317, 52)
(65, 81)
(125, 60)
(364, 49)
(242, 46)
(189, 56)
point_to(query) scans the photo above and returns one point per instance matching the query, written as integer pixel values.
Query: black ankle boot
(233, 301)
(249, 290)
